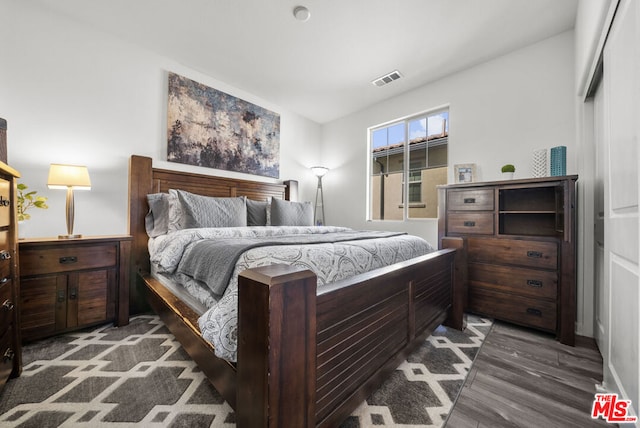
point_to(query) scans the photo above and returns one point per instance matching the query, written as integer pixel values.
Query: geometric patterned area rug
(422, 390)
(140, 376)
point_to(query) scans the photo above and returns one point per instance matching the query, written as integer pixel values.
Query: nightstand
(68, 284)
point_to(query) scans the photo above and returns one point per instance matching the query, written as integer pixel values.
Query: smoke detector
(387, 78)
(301, 13)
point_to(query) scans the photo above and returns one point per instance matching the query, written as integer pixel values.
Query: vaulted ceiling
(322, 68)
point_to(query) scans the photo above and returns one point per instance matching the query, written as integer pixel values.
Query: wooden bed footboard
(309, 359)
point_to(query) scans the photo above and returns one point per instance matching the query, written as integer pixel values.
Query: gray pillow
(287, 213)
(176, 216)
(257, 213)
(207, 211)
(157, 219)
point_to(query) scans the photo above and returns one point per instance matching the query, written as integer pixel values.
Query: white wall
(500, 111)
(74, 95)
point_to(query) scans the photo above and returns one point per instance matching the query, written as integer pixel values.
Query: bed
(305, 356)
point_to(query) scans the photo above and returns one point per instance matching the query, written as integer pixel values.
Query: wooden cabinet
(10, 345)
(75, 283)
(521, 241)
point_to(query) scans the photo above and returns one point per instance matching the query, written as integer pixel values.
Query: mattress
(330, 261)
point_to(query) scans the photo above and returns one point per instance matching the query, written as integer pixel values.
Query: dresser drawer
(5, 266)
(527, 282)
(4, 241)
(5, 202)
(470, 223)
(5, 256)
(470, 200)
(517, 309)
(37, 261)
(536, 254)
(7, 355)
(7, 305)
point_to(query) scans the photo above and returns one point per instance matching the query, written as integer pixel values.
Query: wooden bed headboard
(144, 179)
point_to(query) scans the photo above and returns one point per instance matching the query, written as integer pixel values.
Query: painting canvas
(210, 128)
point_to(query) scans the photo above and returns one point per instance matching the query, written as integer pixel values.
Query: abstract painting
(210, 128)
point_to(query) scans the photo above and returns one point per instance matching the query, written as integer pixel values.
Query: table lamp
(69, 177)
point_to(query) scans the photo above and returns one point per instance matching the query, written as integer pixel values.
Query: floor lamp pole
(319, 221)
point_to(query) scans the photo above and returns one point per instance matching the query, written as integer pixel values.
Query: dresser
(521, 242)
(10, 344)
(67, 284)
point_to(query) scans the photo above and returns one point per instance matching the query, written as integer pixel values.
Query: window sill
(414, 205)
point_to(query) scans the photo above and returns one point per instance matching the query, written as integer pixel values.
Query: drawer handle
(5, 255)
(470, 223)
(73, 293)
(533, 311)
(4, 202)
(534, 283)
(8, 355)
(469, 200)
(61, 296)
(534, 254)
(4, 280)
(68, 260)
(8, 305)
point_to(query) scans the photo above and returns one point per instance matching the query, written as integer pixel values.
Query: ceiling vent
(387, 78)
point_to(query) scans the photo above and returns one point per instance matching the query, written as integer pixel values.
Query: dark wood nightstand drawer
(470, 200)
(527, 282)
(536, 254)
(470, 223)
(518, 309)
(38, 261)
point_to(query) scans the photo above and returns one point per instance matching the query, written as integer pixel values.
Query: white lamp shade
(65, 176)
(319, 171)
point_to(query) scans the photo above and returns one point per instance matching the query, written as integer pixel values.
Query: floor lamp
(318, 217)
(69, 177)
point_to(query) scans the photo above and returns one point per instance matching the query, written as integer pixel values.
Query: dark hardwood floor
(523, 378)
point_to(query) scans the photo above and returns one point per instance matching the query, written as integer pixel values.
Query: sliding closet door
(601, 286)
(621, 221)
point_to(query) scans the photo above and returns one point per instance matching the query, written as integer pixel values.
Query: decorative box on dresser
(67, 284)
(521, 241)
(10, 345)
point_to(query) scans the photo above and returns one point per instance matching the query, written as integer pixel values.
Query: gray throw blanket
(212, 261)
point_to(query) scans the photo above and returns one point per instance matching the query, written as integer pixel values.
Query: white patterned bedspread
(330, 262)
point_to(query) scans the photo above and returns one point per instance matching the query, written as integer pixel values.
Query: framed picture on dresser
(465, 172)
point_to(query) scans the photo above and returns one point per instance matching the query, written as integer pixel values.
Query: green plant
(508, 168)
(27, 200)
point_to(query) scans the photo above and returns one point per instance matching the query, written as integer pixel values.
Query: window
(420, 144)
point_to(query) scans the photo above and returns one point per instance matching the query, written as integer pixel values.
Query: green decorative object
(508, 168)
(27, 200)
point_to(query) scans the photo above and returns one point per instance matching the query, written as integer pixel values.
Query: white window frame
(405, 188)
